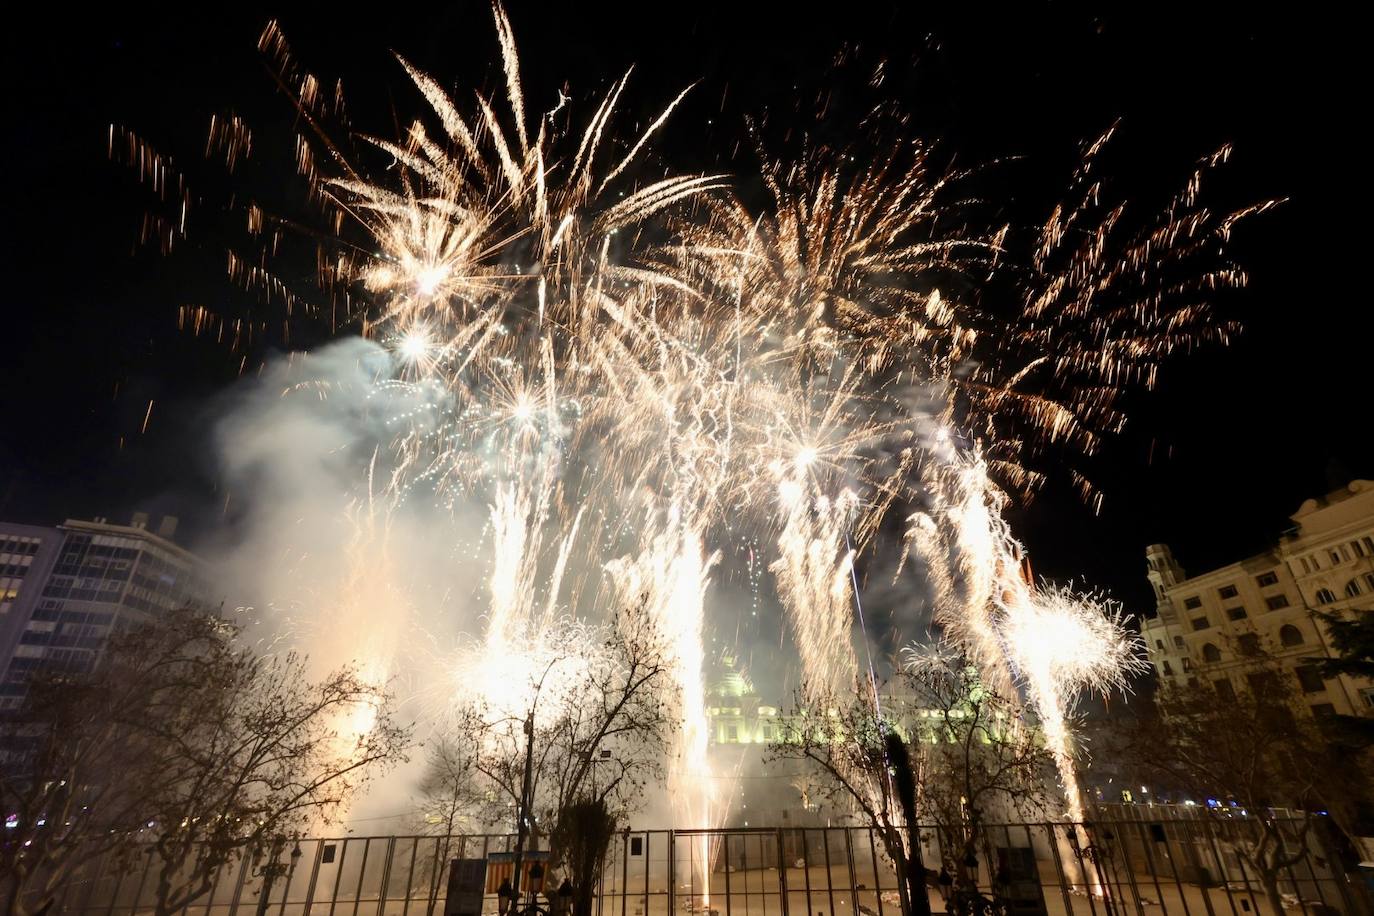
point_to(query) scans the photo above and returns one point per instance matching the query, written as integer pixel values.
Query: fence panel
(1132, 862)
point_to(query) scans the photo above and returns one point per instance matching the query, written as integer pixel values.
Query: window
(1236, 613)
(1248, 644)
(1367, 696)
(1227, 591)
(1357, 547)
(1211, 653)
(1352, 588)
(1192, 603)
(1225, 689)
(1178, 642)
(1168, 669)
(732, 733)
(1200, 623)
(1323, 710)
(1325, 596)
(1274, 602)
(1290, 635)
(1264, 580)
(1368, 544)
(1369, 580)
(1159, 644)
(1335, 558)
(1310, 679)
(1187, 664)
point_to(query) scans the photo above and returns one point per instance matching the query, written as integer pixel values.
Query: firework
(630, 376)
(1063, 644)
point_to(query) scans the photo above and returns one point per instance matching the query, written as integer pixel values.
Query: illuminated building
(735, 711)
(26, 554)
(64, 589)
(1205, 625)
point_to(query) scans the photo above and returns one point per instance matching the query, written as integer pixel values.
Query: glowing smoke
(587, 387)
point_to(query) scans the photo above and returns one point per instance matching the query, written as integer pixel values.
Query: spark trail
(625, 375)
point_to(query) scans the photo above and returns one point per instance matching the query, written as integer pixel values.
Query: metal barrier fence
(1111, 867)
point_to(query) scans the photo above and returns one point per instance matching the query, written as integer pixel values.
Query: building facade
(1206, 627)
(734, 710)
(65, 589)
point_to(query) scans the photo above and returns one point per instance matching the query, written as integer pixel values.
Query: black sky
(1214, 460)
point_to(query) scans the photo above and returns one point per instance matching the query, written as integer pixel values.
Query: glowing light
(619, 413)
(1064, 644)
(429, 279)
(415, 344)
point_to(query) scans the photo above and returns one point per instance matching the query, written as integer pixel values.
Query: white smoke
(323, 560)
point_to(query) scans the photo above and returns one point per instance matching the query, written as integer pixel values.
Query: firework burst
(627, 375)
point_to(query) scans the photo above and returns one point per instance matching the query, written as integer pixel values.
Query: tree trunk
(1266, 856)
(916, 882)
(163, 905)
(1270, 880)
(966, 874)
(170, 901)
(440, 876)
(14, 896)
(892, 843)
(582, 900)
(911, 874)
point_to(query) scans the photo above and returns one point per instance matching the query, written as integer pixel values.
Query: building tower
(1165, 574)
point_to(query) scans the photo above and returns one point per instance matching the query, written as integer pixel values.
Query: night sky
(1214, 460)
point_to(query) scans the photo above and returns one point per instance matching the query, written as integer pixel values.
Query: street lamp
(526, 791)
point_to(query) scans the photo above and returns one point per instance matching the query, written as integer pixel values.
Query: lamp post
(522, 815)
(593, 763)
(565, 893)
(276, 869)
(536, 877)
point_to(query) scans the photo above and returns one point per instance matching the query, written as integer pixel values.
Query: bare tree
(849, 744)
(978, 753)
(450, 797)
(188, 746)
(1254, 746)
(599, 727)
(449, 793)
(972, 752)
(262, 755)
(583, 836)
(84, 759)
